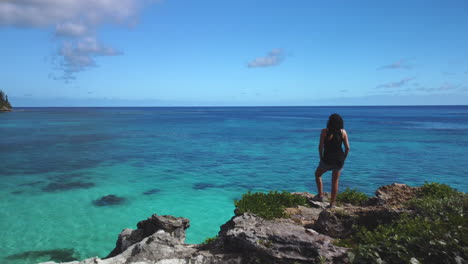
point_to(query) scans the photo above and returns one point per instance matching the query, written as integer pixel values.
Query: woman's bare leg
(318, 180)
(335, 180)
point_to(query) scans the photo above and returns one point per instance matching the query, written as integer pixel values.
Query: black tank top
(333, 153)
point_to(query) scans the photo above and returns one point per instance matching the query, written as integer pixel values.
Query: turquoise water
(193, 162)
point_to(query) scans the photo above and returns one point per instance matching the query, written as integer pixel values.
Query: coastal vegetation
(268, 205)
(4, 103)
(433, 231)
(430, 226)
(351, 196)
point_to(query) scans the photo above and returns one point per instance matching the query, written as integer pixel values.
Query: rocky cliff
(305, 236)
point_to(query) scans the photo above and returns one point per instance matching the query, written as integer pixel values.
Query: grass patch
(268, 205)
(351, 196)
(435, 233)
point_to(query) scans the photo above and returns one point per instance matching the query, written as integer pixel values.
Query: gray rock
(163, 248)
(304, 216)
(394, 194)
(174, 226)
(273, 241)
(339, 222)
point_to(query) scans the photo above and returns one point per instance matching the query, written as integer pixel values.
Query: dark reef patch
(31, 183)
(56, 186)
(109, 200)
(52, 163)
(203, 185)
(138, 164)
(86, 138)
(17, 192)
(152, 191)
(68, 176)
(57, 255)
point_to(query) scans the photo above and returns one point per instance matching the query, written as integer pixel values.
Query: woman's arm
(322, 140)
(346, 143)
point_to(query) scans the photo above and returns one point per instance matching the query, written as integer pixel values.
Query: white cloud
(70, 29)
(274, 57)
(401, 64)
(75, 23)
(40, 13)
(395, 84)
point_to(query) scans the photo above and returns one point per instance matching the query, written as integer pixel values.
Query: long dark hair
(335, 124)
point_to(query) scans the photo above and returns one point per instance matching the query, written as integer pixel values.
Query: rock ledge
(305, 237)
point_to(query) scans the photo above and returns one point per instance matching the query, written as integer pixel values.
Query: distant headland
(5, 105)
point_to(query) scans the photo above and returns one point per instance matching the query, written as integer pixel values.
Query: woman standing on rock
(331, 155)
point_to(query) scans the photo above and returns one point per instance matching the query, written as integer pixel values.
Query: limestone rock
(174, 226)
(339, 222)
(161, 248)
(277, 242)
(393, 195)
(305, 216)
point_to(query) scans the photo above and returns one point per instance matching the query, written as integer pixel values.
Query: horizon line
(213, 106)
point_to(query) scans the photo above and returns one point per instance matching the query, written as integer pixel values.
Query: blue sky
(174, 52)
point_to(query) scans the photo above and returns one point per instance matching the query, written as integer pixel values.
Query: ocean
(57, 164)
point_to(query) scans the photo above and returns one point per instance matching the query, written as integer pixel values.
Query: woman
(331, 155)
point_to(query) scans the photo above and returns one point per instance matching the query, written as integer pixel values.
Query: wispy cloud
(401, 64)
(395, 84)
(75, 24)
(445, 87)
(447, 73)
(273, 58)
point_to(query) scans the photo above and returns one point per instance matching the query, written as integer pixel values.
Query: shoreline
(309, 234)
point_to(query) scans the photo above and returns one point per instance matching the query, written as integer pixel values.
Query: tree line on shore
(4, 103)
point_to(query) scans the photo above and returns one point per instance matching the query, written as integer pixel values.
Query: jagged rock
(277, 242)
(393, 194)
(5, 109)
(314, 200)
(339, 222)
(305, 216)
(384, 208)
(174, 226)
(161, 247)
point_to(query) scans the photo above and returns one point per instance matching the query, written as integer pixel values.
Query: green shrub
(268, 205)
(210, 240)
(351, 196)
(434, 233)
(438, 201)
(436, 190)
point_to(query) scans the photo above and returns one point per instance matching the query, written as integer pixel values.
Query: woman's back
(333, 153)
